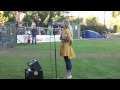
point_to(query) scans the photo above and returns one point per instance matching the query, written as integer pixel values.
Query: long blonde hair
(67, 25)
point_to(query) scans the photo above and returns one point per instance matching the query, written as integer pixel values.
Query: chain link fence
(8, 37)
(76, 30)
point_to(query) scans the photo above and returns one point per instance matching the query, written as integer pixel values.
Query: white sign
(67, 13)
(39, 38)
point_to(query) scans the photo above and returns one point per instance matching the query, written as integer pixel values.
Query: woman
(66, 49)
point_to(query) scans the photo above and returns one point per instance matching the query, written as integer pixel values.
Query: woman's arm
(69, 36)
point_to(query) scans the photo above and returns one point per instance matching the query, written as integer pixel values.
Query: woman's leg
(32, 39)
(68, 63)
(68, 67)
(35, 39)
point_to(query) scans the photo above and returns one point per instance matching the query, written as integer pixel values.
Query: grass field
(95, 59)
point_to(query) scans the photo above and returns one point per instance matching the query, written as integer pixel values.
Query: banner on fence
(39, 38)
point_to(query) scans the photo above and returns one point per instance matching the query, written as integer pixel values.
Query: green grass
(95, 59)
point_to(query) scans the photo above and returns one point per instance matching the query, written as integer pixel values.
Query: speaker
(32, 74)
(34, 65)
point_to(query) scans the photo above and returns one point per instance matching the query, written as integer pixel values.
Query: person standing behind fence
(34, 33)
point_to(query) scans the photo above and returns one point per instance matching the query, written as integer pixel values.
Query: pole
(55, 54)
(54, 32)
(78, 26)
(72, 24)
(104, 18)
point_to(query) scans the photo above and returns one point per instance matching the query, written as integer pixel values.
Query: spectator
(34, 33)
(27, 31)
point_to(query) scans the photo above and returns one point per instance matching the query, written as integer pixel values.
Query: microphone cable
(50, 52)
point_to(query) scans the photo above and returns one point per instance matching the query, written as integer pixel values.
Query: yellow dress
(66, 49)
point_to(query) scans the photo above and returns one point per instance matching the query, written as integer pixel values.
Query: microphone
(54, 32)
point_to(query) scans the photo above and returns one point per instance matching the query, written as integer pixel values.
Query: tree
(78, 20)
(28, 20)
(10, 17)
(91, 21)
(40, 18)
(115, 14)
(5, 17)
(116, 21)
(60, 16)
(92, 24)
(37, 17)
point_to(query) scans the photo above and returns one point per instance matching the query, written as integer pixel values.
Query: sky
(86, 13)
(99, 14)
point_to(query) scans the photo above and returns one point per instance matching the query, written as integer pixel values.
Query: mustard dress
(65, 48)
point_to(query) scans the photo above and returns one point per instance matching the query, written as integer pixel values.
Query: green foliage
(116, 28)
(92, 24)
(9, 16)
(98, 28)
(91, 21)
(78, 20)
(115, 14)
(40, 18)
(37, 17)
(116, 21)
(60, 16)
(27, 19)
(3, 18)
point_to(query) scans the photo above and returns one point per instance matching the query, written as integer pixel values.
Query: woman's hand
(60, 37)
(70, 42)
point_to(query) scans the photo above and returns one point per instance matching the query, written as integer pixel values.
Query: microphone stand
(55, 55)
